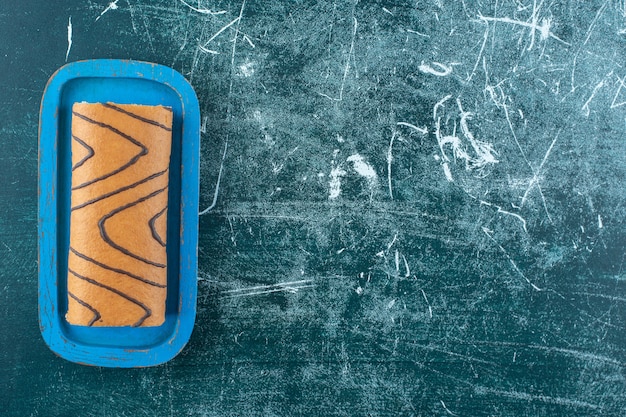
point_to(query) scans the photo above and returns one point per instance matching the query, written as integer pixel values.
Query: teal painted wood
(127, 82)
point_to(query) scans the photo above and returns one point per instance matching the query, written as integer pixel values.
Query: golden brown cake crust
(117, 263)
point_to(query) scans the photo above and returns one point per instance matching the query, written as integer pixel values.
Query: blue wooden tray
(127, 82)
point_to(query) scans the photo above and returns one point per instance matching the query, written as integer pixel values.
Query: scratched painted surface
(420, 209)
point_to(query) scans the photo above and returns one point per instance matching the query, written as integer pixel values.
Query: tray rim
(49, 322)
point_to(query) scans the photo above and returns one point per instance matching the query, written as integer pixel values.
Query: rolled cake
(117, 262)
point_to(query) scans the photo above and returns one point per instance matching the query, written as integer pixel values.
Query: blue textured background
(421, 207)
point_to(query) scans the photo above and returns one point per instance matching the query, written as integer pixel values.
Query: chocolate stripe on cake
(117, 270)
(90, 152)
(136, 116)
(130, 163)
(105, 235)
(96, 313)
(127, 297)
(119, 190)
(155, 233)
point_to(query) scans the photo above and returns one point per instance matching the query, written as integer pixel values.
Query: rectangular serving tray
(125, 82)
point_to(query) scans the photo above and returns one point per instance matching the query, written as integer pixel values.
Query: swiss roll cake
(117, 261)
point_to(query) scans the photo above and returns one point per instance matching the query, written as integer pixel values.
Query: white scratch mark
(512, 262)
(207, 51)
(517, 216)
(614, 103)
(335, 182)
(389, 160)
(441, 70)
(230, 91)
(216, 34)
(236, 338)
(247, 69)
(480, 53)
(606, 297)
(145, 21)
(585, 109)
(363, 169)
(543, 29)
(112, 6)
(587, 37)
(131, 9)
(508, 213)
(232, 55)
(483, 150)
(422, 130)
(202, 10)
(350, 56)
(446, 408)
(440, 139)
(291, 287)
(182, 46)
(535, 179)
(69, 38)
(346, 68)
(508, 119)
(447, 172)
(430, 309)
(217, 186)
(395, 238)
(418, 33)
(247, 39)
(600, 224)
(407, 270)
(397, 259)
(524, 396)
(534, 19)
(438, 104)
